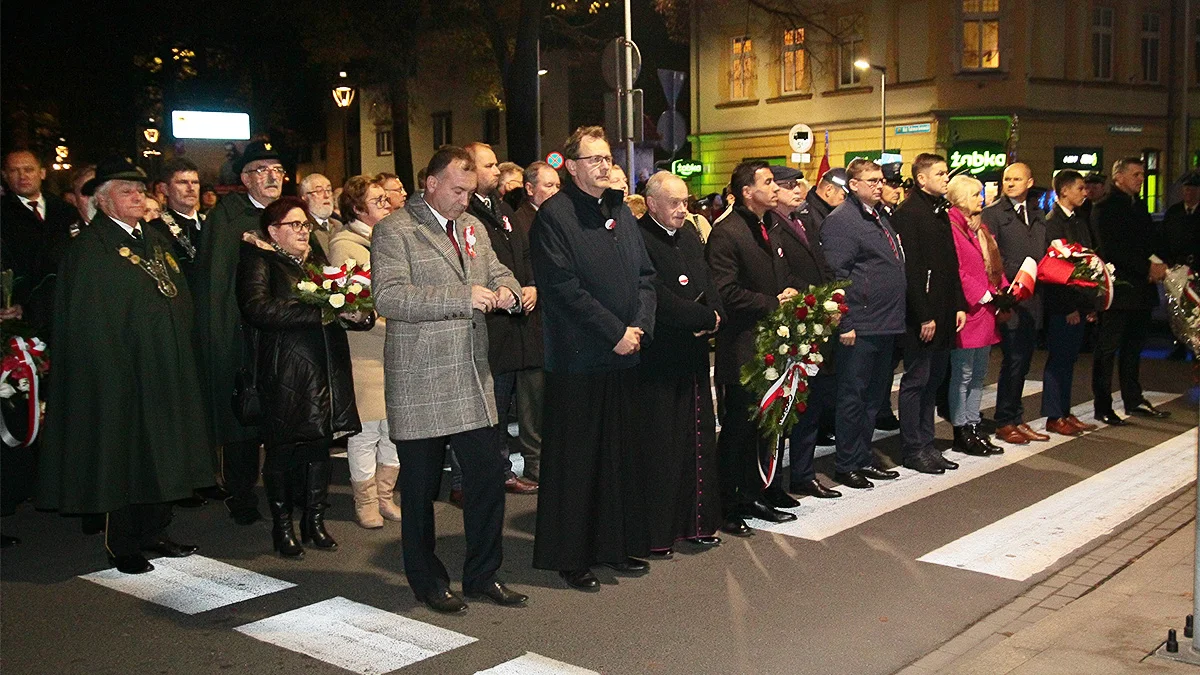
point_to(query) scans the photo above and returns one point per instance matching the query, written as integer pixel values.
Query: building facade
(1053, 83)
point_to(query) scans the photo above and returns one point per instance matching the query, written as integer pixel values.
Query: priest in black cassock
(597, 291)
(125, 430)
(679, 436)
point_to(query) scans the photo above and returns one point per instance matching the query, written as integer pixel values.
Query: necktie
(453, 241)
(763, 227)
(891, 240)
(37, 213)
(1021, 213)
(137, 233)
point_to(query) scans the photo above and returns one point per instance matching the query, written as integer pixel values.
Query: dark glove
(1003, 302)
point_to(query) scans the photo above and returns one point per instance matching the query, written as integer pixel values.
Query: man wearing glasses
(219, 332)
(393, 188)
(596, 288)
(317, 192)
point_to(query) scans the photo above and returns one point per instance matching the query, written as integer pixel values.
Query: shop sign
(1080, 159)
(686, 168)
(906, 129)
(873, 155)
(984, 160)
(1125, 128)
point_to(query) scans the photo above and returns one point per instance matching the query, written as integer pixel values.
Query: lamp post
(343, 96)
(863, 64)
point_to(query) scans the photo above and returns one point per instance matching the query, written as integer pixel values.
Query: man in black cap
(219, 332)
(1181, 224)
(829, 194)
(807, 266)
(125, 434)
(1096, 186)
(893, 188)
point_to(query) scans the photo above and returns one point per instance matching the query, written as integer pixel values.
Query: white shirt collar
(129, 229)
(669, 231)
(194, 215)
(442, 220)
(255, 202)
(1065, 210)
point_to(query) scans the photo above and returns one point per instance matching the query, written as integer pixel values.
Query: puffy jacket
(303, 368)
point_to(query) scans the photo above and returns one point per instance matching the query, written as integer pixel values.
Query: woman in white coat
(374, 467)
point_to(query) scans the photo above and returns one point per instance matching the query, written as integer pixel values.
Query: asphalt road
(857, 601)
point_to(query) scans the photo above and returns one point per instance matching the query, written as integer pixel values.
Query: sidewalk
(1103, 614)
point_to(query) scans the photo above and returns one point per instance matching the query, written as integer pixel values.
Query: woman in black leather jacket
(303, 372)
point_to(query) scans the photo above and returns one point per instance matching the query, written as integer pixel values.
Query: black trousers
(1062, 346)
(861, 371)
(135, 527)
(18, 476)
(822, 399)
(1122, 336)
(421, 464)
(739, 447)
(239, 472)
(924, 371)
(1018, 340)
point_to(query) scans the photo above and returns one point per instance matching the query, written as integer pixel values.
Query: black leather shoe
(764, 511)
(888, 423)
(1147, 410)
(853, 479)
(582, 579)
(879, 474)
(245, 516)
(969, 444)
(445, 601)
(169, 549)
(193, 502)
(941, 460)
(213, 492)
(779, 499)
(737, 527)
(131, 564)
(813, 488)
(500, 594)
(924, 463)
(6, 541)
(629, 566)
(826, 440)
(1110, 418)
(977, 431)
(665, 554)
(709, 542)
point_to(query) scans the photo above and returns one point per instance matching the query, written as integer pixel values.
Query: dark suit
(749, 272)
(1127, 240)
(801, 244)
(1017, 239)
(514, 340)
(934, 293)
(1063, 340)
(1181, 232)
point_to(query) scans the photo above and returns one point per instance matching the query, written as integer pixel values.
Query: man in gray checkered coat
(435, 276)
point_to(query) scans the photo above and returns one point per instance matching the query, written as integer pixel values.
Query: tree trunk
(401, 139)
(520, 87)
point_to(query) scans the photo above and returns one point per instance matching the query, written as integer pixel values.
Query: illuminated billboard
(222, 126)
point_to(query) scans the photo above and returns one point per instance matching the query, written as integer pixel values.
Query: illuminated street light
(343, 96)
(863, 64)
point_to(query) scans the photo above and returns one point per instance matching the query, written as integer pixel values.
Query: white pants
(368, 448)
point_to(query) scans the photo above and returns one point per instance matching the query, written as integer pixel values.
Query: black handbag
(247, 401)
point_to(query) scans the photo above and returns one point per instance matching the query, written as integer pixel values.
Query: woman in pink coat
(982, 273)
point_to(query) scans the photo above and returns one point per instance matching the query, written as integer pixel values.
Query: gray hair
(961, 188)
(307, 181)
(655, 184)
(533, 172)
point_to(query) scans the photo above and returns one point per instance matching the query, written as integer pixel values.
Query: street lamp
(343, 96)
(863, 64)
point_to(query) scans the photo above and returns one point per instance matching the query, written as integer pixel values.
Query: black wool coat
(688, 301)
(934, 289)
(1127, 240)
(750, 273)
(514, 340)
(32, 249)
(303, 368)
(1062, 299)
(1181, 234)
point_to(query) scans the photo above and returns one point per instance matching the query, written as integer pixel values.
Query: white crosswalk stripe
(535, 664)
(354, 636)
(1034, 538)
(190, 585)
(818, 519)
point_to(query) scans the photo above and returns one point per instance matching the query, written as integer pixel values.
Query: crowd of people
(186, 366)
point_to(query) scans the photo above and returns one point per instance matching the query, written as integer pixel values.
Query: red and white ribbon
(783, 388)
(22, 366)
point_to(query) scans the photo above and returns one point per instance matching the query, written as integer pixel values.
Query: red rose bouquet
(23, 362)
(1070, 264)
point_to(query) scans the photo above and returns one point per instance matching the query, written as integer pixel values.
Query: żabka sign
(984, 160)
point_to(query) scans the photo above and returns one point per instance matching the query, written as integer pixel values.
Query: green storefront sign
(686, 168)
(872, 155)
(984, 160)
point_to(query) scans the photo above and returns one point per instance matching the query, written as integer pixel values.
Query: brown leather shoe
(1010, 434)
(1080, 424)
(520, 486)
(1062, 426)
(1032, 435)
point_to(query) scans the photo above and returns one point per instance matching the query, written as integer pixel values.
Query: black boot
(279, 500)
(978, 433)
(316, 490)
(966, 442)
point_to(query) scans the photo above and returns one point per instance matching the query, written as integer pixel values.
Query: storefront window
(741, 68)
(1151, 36)
(795, 63)
(981, 34)
(1102, 43)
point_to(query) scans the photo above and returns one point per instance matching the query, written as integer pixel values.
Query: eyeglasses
(399, 191)
(318, 191)
(871, 181)
(299, 226)
(786, 184)
(267, 171)
(596, 160)
(380, 202)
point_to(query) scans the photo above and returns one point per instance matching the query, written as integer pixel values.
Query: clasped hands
(487, 300)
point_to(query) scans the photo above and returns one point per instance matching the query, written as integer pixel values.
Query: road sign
(612, 63)
(555, 160)
(614, 117)
(672, 131)
(672, 84)
(801, 138)
(906, 129)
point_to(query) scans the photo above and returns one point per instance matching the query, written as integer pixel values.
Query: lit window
(795, 65)
(850, 49)
(1151, 35)
(981, 34)
(741, 68)
(1102, 43)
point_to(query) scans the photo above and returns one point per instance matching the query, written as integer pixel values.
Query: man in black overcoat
(679, 432)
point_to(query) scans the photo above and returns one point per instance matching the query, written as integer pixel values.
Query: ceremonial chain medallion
(157, 268)
(180, 236)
